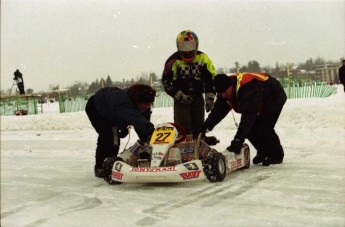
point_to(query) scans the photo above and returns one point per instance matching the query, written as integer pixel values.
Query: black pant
(108, 141)
(263, 136)
(191, 117)
(20, 86)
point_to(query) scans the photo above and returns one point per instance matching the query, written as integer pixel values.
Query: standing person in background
(342, 74)
(188, 73)
(111, 110)
(18, 77)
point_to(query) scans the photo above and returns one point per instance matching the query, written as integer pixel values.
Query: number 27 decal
(160, 137)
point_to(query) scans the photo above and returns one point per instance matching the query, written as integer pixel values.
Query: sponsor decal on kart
(153, 169)
(191, 166)
(185, 150)
(190, 175)
(117, 175)
(157, 155)
(118, 167)
(236, 164)
(204, 149)
(187, 159)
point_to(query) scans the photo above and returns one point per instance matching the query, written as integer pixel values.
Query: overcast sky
(63, 41)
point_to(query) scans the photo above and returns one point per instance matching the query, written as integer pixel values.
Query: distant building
(327, 72)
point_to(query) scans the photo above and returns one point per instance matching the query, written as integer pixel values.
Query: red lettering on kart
(153, 169)
(236, 164)
(117, 175)
(190, 175)
(187, 159)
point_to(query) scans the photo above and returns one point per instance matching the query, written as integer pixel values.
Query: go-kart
(173, 156)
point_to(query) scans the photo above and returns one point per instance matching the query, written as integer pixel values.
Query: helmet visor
(187, 46)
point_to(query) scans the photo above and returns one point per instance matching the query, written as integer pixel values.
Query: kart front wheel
(215, 167)
(107, 169)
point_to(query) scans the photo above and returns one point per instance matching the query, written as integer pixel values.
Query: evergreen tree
(94, 86)
(108, 82)
(254, 66)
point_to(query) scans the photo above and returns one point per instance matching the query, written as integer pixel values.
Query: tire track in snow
(211, 195)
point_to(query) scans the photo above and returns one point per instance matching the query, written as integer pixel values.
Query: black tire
(246, 152)
(107, 169)
(215, 167)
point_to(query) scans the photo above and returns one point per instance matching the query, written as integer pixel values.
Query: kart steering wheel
(181, 131)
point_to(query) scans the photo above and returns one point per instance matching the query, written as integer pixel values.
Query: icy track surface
(47, 176)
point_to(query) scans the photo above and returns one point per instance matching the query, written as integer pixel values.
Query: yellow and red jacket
(241, 80)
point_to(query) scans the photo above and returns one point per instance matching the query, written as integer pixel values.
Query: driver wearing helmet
(188, 74)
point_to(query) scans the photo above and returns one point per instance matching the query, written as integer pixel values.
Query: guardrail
(18, 105)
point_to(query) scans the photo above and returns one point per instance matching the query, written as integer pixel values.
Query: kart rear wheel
(246, 152)
(107, 169)
(215, 167)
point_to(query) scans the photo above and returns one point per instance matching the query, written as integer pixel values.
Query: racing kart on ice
(173, 156)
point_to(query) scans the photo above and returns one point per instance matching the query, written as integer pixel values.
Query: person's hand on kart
(140, 147)
(235, 146)
(210, 140)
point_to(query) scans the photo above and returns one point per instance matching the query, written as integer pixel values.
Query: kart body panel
(171, 162)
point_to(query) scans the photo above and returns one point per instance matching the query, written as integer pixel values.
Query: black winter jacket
(252, 99)
(114, 105)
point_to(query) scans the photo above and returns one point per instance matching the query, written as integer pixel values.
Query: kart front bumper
(188, 171)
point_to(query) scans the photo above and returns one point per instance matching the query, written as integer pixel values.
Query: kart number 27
(160, 137)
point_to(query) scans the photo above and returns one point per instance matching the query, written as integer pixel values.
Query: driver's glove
(209, 101)
(183, 98)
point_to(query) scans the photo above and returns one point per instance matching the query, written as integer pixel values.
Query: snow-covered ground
(47, 176)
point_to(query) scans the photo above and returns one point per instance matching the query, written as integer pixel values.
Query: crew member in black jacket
(260, 99)
(111, 110)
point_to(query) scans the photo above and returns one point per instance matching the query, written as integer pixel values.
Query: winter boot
(99, 172)
(272, 160)
(260, 157)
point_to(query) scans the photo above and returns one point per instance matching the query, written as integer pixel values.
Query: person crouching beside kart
(111, 110)
(260, 99)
